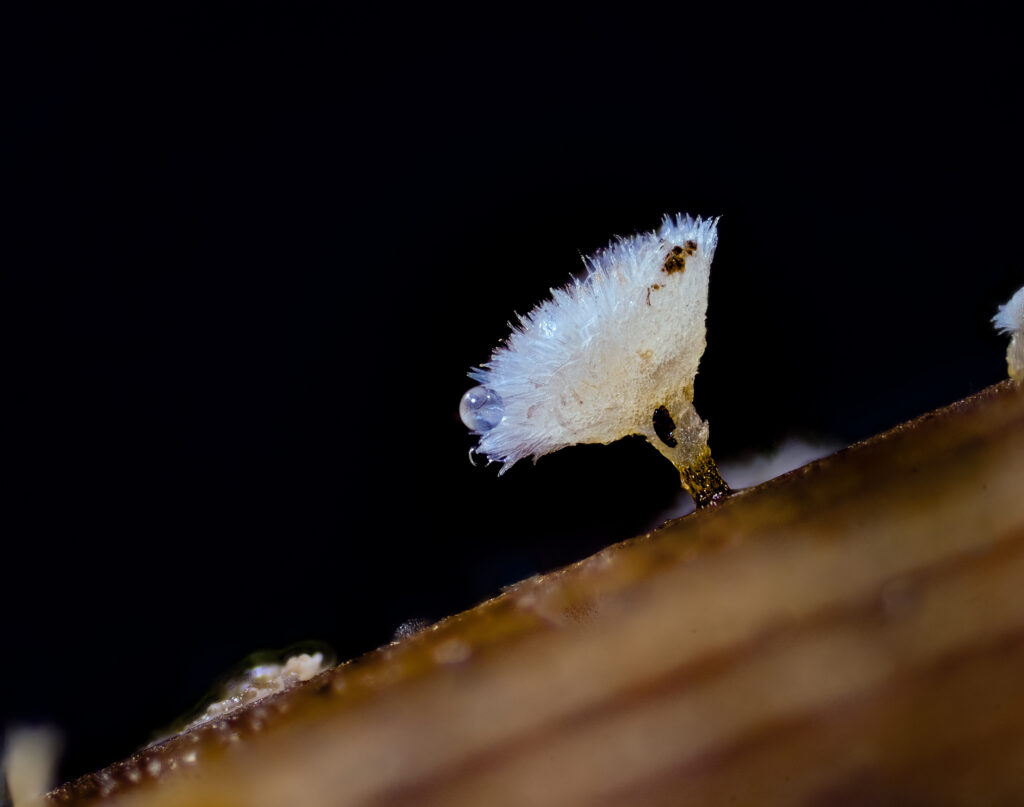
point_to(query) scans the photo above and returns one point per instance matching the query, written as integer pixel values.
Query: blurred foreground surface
(850, 632)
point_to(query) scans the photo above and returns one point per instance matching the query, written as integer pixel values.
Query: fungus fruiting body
(608, 355)
(1010, 319)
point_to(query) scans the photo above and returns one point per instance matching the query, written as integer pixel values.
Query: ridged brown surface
(849, 634)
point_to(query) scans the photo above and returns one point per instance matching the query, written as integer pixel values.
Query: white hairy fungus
(1010, 319)
(612, 354)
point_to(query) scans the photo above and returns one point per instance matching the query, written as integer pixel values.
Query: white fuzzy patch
(260, 681)
(1010, 319)
(594, 362)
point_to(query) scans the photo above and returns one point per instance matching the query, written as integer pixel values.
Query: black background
(250, 257)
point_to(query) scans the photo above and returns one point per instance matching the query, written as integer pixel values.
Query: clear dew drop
(480, 409)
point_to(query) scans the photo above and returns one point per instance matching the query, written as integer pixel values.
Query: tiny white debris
(260, 681)
(410, 628)
(153, 767)
(1010, 319)
(605, 354)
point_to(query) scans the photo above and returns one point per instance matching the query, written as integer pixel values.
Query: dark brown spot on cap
(675, 262)
(665, 427)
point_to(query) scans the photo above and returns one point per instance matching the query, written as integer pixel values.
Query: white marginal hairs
(609, 355)
(1010, 319)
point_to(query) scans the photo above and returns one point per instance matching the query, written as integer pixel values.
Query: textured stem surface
(703, 482)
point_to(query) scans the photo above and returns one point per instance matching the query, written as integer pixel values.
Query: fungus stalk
(609, 355)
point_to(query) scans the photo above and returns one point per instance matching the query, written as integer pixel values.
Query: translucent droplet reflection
(480, 409)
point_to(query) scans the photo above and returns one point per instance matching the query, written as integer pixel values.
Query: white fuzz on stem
(1010, 319)
(609, 355)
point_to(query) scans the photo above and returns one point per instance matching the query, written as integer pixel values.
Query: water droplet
(480, 409)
